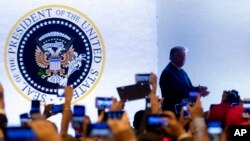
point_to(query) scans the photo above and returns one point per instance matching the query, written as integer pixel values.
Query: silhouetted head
(178, 55)
(138, 118)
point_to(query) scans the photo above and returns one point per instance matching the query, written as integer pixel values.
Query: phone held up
(246, 108)
(78, 114)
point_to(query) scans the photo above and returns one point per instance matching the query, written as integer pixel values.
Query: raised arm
(200, 129)
(67, 114)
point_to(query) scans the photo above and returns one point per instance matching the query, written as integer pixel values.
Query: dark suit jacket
(175, 85)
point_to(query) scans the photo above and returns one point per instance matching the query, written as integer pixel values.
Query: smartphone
(103, 102)
(113, 115)
(193, 97)
(148, 103)
(78, 114)
(246, 108)
(24, 119)
(214, 130)
(185, 102)
(155, 121)
(142, 78)
(20, 134)
(79, 110)
(99, 130)
(57, 108)
(35, 107)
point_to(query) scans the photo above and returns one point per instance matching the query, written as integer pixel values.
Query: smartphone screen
(185, 111)
(103, 102)
(100, 130)
(142, 78)
(20, 134)
(185, 102)
(78, 114)
(79, 110)
(154, 121)
(24, 119)
(214, 127)
(246, 108)
(35, 107)
(193, 97)
(57, 109)
(214, 130)
(113, 115)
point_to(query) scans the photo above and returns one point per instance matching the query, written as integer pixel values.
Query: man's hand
(155, 102)
(47, 111)
(183, 120)
(196, 110)
(202, 88)
(121, 129)
(203, 91)
(116, 105)
(174, 128)
(153, 82)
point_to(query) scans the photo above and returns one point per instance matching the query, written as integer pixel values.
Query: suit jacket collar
(172, 65)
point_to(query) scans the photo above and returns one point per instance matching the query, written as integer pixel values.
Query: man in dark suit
(174, 82)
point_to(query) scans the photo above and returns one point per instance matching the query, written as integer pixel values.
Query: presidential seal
(51, 47)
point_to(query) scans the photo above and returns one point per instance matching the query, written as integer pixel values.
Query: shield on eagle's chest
(55, 63)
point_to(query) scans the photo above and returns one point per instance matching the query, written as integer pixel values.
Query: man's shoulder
(168, 72)
(169, 68)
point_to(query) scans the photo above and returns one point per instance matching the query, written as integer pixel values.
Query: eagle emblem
(57, 61)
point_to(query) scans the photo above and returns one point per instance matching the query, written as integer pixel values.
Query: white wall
(128, 29)
(217, 33)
